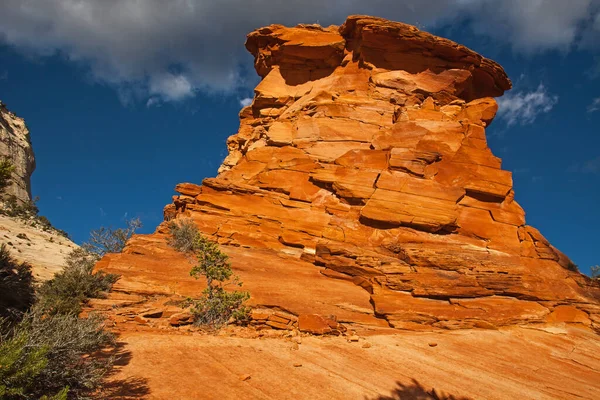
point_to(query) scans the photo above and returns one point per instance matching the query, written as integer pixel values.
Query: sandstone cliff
(360, 184)
(44, 249)
(15, 144)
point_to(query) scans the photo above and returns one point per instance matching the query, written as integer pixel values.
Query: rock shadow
(132, 387)
(416, 391)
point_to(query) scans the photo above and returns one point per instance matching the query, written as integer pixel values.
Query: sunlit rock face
(16, 146)
(360, 184)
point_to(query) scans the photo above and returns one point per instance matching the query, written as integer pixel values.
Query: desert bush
(109, 240)
(572, 266)
(216, 306)
(183, 234)
(6, 170)
(28, 211)
(44, 222)
(15, 208)
(20, 365)
(52, 354)
(595, 271)
(74, 285)
(17, 292)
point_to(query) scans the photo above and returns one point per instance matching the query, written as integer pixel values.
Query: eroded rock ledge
(360, 184)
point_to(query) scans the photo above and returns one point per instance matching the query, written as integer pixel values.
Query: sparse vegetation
(216, 306)
(46, 350)
(109, 240)
(12, 207)
(45, 355)
(595, 271)
(74, 285)
(17, 292)
(6, 170)
(15, 208)
(183, 234)
(572, 266)
(29, 212)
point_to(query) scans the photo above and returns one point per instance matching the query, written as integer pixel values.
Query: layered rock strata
(360, 184)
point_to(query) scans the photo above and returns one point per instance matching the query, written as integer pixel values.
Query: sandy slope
(516, 363)
(45, 251)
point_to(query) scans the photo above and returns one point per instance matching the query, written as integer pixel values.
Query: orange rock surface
(360, 189)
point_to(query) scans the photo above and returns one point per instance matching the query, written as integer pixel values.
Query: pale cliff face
(15, 144)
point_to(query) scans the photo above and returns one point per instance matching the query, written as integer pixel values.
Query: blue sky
(125, 99)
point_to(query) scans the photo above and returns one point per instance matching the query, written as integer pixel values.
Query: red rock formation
(360, 184)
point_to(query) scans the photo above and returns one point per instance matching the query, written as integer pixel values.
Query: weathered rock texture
(44, 250)
(360, 184)
(16, 146)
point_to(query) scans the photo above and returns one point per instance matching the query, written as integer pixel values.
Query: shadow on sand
(416, 391)
(129, 388)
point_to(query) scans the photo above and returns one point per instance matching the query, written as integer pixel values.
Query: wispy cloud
(594, 106)
(153, 102)
(173, 50)
(245, 102)
(523, 107)
(590, 166)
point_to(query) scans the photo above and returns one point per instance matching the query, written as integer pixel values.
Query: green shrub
(6, 170)
(595, 271)
(183, 234)
(74, 285)
(44, 222)
(52, 354)
(15, 208)
(28, 210)
(572, 266)
(216, 305)
(109, 240)
(17, 292)
(20, 365)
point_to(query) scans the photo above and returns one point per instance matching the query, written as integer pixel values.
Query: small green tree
(595, 271)
(216, 306)
(6, 170)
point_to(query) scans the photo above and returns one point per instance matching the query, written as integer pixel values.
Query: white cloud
(246, 102)
(534, 25)
(594, 106)
(173, 49)
(523, 107)
(153, 102)
(171, 87)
